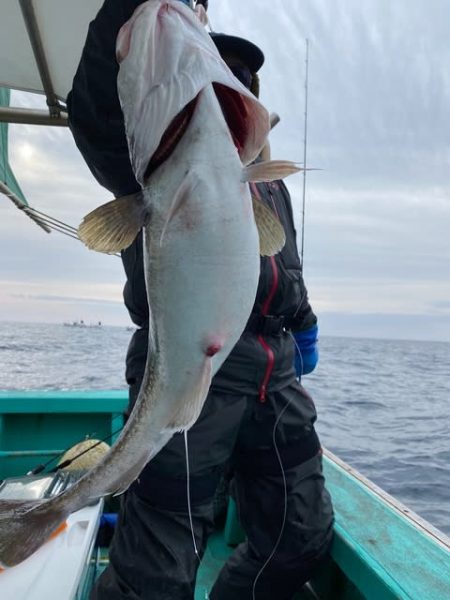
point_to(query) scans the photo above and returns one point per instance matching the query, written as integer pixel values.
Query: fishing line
(188, 493)
(277, 543)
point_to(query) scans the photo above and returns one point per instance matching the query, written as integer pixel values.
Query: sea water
(383, 405)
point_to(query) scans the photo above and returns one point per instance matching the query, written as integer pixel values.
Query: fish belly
(201, 258)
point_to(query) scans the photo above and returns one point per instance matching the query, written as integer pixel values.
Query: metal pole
(39, 55)
(304, 149)
(32, 117)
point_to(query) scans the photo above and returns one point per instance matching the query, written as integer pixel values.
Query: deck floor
(216, 554)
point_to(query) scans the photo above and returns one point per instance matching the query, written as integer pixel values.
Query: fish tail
(25, 526)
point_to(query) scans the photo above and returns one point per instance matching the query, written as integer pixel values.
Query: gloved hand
(306, 350)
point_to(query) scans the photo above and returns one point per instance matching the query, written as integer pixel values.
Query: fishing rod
(4, 189)
(52, 222)
(45, 221)
(304, 150)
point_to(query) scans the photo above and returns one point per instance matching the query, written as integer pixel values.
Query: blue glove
(306, 350)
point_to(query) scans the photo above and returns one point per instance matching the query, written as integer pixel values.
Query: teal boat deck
(50, 422)
(381, 550)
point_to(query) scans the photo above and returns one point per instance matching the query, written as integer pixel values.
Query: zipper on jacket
(269, 368)
(264, 311)
(262, 341)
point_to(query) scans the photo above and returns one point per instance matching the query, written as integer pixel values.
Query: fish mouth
(234, 111)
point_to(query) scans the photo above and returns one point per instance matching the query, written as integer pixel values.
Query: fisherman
(257, 424)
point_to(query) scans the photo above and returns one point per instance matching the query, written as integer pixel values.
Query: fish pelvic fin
(180, 198)
(271, 233)
(269, 170)
(191, 404)
(114, 226)
(25, 527)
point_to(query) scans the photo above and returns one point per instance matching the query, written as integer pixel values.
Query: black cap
(249, 53)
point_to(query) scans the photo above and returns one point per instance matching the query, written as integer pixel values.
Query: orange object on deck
(59, 530)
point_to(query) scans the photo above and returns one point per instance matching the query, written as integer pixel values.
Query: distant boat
(81, 323)
(76, 324)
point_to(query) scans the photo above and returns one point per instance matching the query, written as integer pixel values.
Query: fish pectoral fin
(271, 233)
(114, 226)
(191, 404)
(269, 170)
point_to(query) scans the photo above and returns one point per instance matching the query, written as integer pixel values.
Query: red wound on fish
(213, 349)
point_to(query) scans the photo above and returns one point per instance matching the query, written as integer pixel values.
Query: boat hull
(381, 549)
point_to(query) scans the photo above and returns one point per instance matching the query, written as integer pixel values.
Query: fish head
(166, 59)
(192, 128)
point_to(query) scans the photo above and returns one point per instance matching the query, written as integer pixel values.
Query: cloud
(377, 213)
(385, 326)
(368, 295)
(57, 291)
(65, 299)
(51, 301)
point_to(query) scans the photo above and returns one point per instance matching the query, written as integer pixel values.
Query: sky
(376, 249)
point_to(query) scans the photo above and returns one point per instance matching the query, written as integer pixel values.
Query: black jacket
(263, 357)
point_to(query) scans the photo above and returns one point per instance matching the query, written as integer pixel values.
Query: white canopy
(62, 27)
(40, 47)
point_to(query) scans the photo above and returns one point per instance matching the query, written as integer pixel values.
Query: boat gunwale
(419, 522)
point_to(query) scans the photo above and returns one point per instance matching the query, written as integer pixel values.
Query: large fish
(191, 129)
